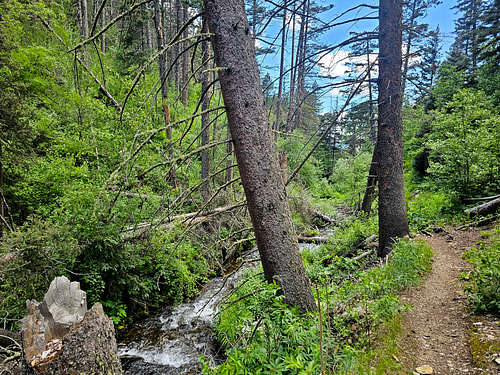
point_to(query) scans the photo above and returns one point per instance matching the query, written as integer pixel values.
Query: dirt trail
(437, 329)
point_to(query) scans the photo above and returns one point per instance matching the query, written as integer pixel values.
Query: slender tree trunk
(103, 35)
(393, 220)
(409, 40)
(301, 64)
(372, 123)
(178, 21)
(371, 184)
(205, 118)
(84, 20)
(292, 75)
(162, 68)
(282, 67)
(255, 151)
(185, 58)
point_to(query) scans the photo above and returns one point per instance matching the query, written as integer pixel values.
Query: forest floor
(440, 334)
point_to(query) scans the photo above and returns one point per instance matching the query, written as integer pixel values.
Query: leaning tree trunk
(393, 220)
(371, 184)
(255, 151)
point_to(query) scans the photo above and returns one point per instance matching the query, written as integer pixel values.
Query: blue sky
(442, 16)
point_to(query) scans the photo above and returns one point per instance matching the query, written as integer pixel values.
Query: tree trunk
(205, 119)
(255, 151)
(292, 76)
(373, 128)
(408, 45)
(371, 184)
(393, 220)
(103, 23)
(84, 21)
(185, 59)
(301, 65)
(282, 65)
(162, 68)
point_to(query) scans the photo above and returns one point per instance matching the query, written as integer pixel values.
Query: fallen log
(478, 223)
(484, 209)
(469, 200)
(323, 217)
(191, 218)
(305, 239)
(361, 256)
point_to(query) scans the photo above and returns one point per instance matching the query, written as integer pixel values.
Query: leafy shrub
(484, 279)
(426, 208)
(465, 144)
(30, 258)
(262, 335)
(349, 175)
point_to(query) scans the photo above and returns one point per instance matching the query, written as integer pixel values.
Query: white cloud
(340, 63)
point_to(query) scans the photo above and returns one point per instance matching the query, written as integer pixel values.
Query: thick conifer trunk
(255, 151)
(393, 220)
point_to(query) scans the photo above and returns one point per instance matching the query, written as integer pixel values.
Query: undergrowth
(483, 282)
(262, 335)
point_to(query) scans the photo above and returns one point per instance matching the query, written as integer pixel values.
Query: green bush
(30, 258)
(465, 144)
(427, 208)
(262, 335)
(484, 280)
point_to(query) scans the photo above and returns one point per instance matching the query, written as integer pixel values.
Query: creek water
(172, 342)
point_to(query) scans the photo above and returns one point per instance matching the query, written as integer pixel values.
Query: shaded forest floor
(440, 331)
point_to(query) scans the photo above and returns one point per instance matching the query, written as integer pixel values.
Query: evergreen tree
(465, 49)
(414, 31)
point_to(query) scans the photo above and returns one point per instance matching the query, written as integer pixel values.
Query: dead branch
(361, 256)
(479, 222)
(305, 239)
(468, 200)
(166, 224)
(84, 66)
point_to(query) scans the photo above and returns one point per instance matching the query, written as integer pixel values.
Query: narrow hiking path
(437, 329)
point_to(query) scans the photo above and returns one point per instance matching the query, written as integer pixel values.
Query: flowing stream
(172, 342)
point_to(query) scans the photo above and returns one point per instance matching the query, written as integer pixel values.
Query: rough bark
(255, 151)
(61, 337)
(393, 220)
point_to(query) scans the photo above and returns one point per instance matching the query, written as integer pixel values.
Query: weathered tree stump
(61, 337)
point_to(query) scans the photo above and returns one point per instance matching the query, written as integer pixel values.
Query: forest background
(116, 164)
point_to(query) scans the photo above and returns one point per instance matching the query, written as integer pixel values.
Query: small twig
(14, 341)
